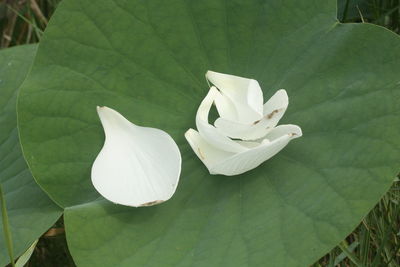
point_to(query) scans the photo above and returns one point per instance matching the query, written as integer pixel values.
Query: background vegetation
(376, 241)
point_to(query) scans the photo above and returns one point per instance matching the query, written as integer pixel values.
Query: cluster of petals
(246, 133)
(140, 166)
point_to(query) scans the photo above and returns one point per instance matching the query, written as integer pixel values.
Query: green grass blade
(350, 255)
(365, 243)
(351, 248)
(346, 8)
(37, 29)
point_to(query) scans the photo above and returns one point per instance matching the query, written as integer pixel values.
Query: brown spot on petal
(151, 203)
(270, 115)
(254, 123)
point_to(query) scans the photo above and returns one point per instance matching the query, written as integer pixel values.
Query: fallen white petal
(245, 94)
(211, 134)
(221, 162)
(137, 166)
(274, 109)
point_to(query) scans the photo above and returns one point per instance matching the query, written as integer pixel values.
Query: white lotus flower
(239, 102)
(137, 166)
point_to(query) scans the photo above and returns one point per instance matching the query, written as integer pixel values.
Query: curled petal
(137, 166)
(220, 162)
(276, 106)
(225, 107)
(245, 94)
(293, 131)
(274, 109)
(211, 134)
(207, 153)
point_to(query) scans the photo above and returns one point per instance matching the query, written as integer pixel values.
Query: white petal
(276, 106)
(244, 93)
(207, 153)
(137, 166)
(211, 134)
(274, 109)
(242, 131)
(226, 108)
(284, 129)
(218, 162)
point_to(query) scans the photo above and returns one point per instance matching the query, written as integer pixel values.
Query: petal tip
(296, 133)
(102, 108)
(189, 132)
(209, 72)
(282, 91)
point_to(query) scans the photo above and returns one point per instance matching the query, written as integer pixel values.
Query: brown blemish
(292, 134)
(254, 123)
(151, 203)
(201, 154)
(270, 115)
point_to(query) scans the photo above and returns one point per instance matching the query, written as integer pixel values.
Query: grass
(375, 242)
(23, 21)
(382, 12)
(52, 249)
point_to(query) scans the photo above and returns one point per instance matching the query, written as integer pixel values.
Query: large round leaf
(29, 210)
(147, 59)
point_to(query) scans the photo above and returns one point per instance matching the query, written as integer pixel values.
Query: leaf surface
(147, 59)
(30, 211)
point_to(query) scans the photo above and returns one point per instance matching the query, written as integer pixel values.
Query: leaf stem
(6, 227)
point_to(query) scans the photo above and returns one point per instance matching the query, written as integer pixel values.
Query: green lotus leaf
(147, 59)
(30, 211)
